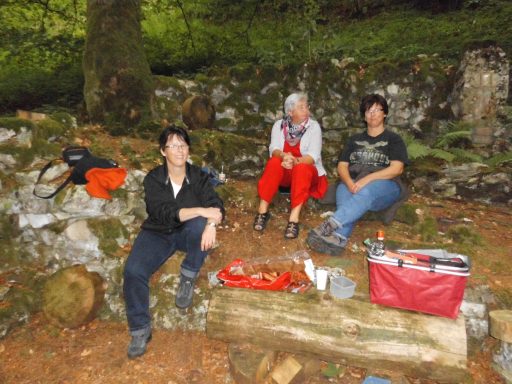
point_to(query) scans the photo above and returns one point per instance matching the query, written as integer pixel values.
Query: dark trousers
(150, 250)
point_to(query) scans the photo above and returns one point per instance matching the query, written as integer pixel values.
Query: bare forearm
(344, 173)
(278, 153)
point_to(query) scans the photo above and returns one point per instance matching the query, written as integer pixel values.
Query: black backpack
(82, 160)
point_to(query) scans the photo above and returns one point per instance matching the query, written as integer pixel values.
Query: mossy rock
(49, 128)
(163, 82)
(64, 118)
(243, 72)
(16, 124)
(219, 149)
(21, 300)
(109, 232)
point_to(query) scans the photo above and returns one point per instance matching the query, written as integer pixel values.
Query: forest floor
(96, 353)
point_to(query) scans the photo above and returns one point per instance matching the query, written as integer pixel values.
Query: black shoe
(291, 231)
(333, 244)
(185, 292)
(139, 342)
(260, 221)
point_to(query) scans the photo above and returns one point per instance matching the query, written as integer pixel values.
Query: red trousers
(302, 179)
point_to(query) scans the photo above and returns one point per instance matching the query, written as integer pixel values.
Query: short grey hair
(293, 99)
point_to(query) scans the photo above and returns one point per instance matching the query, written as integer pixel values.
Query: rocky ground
(96, 353)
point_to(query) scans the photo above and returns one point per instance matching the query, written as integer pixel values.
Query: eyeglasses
(177, 147)
(302, 107)
(372, 111)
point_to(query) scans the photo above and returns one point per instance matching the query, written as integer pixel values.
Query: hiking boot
(139, 342)
(332, 244)
(326, 228)
(185, 292)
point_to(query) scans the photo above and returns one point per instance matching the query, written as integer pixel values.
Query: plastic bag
(245, 281)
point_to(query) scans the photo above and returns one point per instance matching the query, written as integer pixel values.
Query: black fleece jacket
(161, 206)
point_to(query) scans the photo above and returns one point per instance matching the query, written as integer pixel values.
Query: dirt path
(96, 353)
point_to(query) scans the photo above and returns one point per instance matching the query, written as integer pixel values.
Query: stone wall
(46, 235)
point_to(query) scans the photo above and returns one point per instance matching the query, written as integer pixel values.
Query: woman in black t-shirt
(369, 167)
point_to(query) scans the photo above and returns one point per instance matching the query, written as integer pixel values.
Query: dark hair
(369, 100)
(173, 130)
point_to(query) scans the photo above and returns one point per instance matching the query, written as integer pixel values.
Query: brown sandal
(291, 231)
(260, 221)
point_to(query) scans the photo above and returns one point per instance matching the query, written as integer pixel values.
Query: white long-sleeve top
(310, 143)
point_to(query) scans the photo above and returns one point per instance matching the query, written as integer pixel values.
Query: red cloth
(102, 180)
(302, 178)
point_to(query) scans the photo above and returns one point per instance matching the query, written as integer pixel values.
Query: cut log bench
(349, 331)
(501, 329)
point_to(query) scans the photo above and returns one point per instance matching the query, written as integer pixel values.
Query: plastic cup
(321, 279)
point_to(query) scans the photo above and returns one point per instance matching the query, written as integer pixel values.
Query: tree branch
(180, 5)
(246, 31)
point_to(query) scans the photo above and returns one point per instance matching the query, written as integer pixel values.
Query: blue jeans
(150, 250)
(350, 207)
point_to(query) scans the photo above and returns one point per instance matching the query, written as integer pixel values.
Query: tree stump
(73, 296)
(501, 325)
(350, 332)
(249, 364)
(198, 112)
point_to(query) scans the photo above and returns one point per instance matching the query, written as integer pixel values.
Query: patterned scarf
(293, 132)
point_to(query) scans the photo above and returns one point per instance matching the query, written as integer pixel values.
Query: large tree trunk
(118, 81)
(348, 331)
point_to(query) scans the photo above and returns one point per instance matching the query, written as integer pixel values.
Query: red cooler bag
(428, 280)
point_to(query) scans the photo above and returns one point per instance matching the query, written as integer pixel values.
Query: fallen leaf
(85, 352)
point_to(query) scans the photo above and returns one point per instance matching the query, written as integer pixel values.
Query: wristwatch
(212, 224)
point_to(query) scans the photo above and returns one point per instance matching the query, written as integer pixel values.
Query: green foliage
(42, 43)
(442, 154)
(464, 156)
(417, 150)
(499, 159)
(27, 86)
(448, 139)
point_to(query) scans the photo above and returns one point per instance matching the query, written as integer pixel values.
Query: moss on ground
(427, 229)
(464, 235)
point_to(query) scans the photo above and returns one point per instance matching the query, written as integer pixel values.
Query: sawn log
(348, 331)
(73, 296)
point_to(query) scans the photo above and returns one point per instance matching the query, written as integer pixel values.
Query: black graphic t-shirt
(364, 152)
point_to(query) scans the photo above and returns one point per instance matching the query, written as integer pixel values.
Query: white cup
(321, 279)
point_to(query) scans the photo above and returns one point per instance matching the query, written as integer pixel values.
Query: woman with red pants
(295, 161)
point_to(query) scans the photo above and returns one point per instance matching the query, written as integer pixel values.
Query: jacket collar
(167, 179)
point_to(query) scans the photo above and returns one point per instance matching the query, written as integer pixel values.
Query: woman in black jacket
(183, 212)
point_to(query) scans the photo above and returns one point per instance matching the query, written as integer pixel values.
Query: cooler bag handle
(460, 261)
